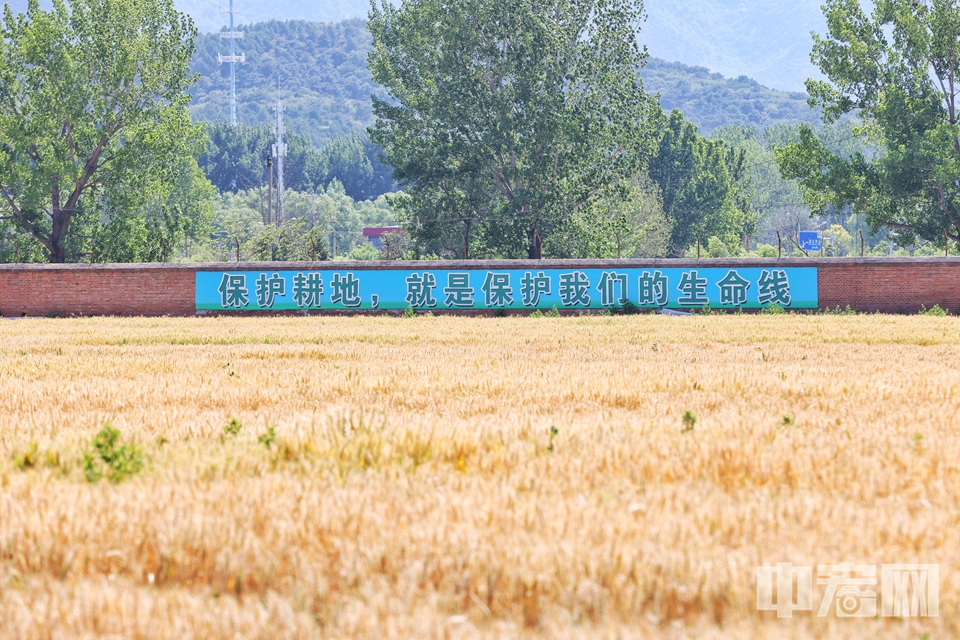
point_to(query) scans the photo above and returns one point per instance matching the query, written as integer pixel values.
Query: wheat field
(439, 477)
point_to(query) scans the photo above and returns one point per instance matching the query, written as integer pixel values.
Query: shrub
(110, 458)
(935, 310)
(629, 308)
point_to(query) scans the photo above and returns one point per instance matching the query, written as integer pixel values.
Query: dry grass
(408, 490)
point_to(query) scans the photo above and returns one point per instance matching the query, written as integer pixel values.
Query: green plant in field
(268, 438)
(28, 458)
(552, 313)
(788, 420)
(629, 308)
(839, 312)
(232, 427)
(917, 443)
(537, 314)
(409, 313)
(689, 421)
(554, 432)
(774, 309)
(109, 457)
(935, 310)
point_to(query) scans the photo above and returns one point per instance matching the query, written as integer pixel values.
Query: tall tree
(234, 159)
(532, 108)
(93, 111)
(897, 69)
(704, 186)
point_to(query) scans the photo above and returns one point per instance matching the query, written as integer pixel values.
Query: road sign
(811, 240)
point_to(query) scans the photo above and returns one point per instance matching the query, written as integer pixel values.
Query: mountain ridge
(322, 76)
(767, 41)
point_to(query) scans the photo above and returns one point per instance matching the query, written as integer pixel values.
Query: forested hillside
(207, 15)
(712, 101)
(767, 41)
(324, 81)
(320, 69)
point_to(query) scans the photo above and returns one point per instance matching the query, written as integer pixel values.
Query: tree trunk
(58, 232)
(535, 251)
(59, 254)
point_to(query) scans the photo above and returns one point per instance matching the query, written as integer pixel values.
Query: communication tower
(233, 59)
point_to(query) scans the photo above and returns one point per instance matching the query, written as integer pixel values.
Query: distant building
(375, 234)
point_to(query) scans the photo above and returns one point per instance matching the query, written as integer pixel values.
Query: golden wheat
(398, 478)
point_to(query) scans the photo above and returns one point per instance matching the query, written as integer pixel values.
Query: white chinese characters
(850, 590)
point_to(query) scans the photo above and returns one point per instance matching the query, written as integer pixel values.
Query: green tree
(897, 69)
(235, 157)
(234, 160)
(704, 185)
(93, 112)
(163, 226)
(510, 118)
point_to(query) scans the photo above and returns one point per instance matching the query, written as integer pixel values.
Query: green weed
(232, 427)
(935, 310)
(109, 457)
(268, 438)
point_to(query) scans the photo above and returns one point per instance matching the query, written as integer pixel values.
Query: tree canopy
(704, 185)
(510, 119)
(897, 69)
(93, 113)
(235, 155)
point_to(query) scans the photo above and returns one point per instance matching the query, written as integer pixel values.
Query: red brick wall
(141, 290)
(891, 285)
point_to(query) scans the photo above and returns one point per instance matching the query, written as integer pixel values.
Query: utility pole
(269, 187)
(233, 59)
(313, 207)
(279, 151)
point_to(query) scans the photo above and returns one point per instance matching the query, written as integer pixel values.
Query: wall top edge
(373, 265)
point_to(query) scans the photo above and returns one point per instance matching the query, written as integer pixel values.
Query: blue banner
(446, 289)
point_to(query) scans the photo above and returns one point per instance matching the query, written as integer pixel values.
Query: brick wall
(892, 285)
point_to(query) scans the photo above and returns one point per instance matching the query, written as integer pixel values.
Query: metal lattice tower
(233, 59)
(279, 151)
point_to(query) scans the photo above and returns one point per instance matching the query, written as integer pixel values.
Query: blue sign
(811, 240)
(571, 288)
